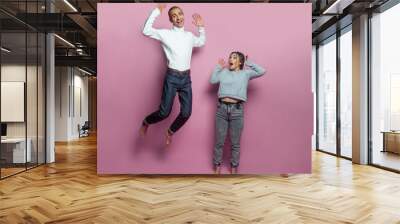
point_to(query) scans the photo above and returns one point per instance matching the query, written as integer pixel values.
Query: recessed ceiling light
(338, 6)
(70, 5)
(84, 71)
(5, 50)
(64, 40)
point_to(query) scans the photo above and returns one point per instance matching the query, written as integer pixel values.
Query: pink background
(278, 115)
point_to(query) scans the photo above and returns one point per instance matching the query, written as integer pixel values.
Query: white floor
(386, 159)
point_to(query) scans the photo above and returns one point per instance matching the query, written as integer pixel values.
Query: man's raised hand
(161, 7)
(197, 20)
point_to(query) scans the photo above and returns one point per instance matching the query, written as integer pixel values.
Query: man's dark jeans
(174, 82)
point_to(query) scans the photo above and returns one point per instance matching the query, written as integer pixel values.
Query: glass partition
(13, 110)
(22, 88)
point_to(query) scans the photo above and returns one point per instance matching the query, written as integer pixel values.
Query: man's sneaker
(168, 137)
(143, 130)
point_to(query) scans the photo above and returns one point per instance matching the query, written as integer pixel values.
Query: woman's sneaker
(217, 169)
(234, 170)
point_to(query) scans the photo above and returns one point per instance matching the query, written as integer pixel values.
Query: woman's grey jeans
(228, 117)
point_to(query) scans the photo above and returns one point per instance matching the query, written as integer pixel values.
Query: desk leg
(384, 143)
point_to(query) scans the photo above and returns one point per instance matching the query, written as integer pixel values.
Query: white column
(50, 110)
(50, 92)
(360, 90)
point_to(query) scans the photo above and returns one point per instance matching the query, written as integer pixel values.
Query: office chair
(84, 130)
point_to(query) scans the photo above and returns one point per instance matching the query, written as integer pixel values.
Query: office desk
(13, 150)
(391, 141)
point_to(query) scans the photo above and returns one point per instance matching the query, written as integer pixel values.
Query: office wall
(70, 83)
(92, 88)
(278, 119)
(33, 126)
(61, 103)
(81, 97)
(15, 72)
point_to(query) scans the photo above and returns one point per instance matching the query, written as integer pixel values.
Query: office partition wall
(22, 87)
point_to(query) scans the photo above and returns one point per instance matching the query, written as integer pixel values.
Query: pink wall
(278, 114)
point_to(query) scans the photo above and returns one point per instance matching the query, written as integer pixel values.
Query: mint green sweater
(233, 84)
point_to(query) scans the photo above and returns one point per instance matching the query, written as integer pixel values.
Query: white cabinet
(18, 149)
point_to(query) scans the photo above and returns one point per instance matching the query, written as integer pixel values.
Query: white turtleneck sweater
(176, 42)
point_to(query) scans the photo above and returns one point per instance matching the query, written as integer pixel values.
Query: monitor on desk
(3, 130)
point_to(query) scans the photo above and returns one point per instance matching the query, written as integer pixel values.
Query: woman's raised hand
(221, 62)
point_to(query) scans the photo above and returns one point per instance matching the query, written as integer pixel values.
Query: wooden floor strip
(70, 191)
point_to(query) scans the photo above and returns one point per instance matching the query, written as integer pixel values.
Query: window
(327, 95)
(385, 88)
(346, 75)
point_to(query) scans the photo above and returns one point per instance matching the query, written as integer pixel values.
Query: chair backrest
(86, 125)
